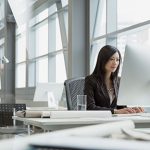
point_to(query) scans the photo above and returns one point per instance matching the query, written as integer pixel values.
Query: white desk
(58, 124)
(64, 138)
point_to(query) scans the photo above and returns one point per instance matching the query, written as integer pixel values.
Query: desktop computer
(135, 79)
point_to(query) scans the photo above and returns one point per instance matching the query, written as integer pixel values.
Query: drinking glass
(81, 102)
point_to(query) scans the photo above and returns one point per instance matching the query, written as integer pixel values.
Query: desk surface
(67, 140)
(57, 124)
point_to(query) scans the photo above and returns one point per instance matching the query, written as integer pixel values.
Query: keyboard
(145, 114)
(133, 114)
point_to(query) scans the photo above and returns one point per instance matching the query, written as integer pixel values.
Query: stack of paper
(63, 114)
(80, 114)
(100, 130)
(138, 135)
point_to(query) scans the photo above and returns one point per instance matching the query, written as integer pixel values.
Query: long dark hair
(104, 55)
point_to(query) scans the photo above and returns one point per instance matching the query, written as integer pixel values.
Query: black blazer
(97, 95)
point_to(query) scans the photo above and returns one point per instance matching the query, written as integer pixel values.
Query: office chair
(7, 125)
(74, 87)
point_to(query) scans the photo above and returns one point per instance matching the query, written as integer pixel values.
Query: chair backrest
(6, 113)
(74, 87)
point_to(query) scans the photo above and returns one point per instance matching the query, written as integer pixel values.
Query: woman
(101, 87)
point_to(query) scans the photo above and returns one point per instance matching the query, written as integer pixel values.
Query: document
(99, 130)
(63, 114)
(80, 114)
(138, 135)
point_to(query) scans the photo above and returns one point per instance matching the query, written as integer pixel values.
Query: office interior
(44, 41)
(56, 42)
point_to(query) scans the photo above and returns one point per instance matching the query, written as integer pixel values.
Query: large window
(126, 21)
(131, 12)
(136, 17)
(39, 45)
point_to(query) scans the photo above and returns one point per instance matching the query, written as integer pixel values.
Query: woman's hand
(138, 109)
(129, 110)
(124, 111)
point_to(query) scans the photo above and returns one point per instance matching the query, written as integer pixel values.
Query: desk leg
(14, 122)
(14, 114)
(29, 130)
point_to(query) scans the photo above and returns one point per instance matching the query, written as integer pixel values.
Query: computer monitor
(51, 92)
(134, 87)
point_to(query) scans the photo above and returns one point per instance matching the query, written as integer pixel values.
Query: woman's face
(112, 63)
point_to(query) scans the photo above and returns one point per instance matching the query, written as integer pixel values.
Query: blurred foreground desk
(83, 138)
(58, 124)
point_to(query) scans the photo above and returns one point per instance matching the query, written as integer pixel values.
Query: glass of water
(81, 102)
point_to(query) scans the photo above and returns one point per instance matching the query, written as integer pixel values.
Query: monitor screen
(134, 87)
(51, 92)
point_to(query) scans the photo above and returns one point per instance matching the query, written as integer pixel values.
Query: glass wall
(131, 24)
(132, 12)
(42, 34)
(39, 45)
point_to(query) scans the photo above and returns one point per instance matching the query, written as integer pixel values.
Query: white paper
(136, 134)
(80, 114)
(100, 130)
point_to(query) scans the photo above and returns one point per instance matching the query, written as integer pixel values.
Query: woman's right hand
(127, 110)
